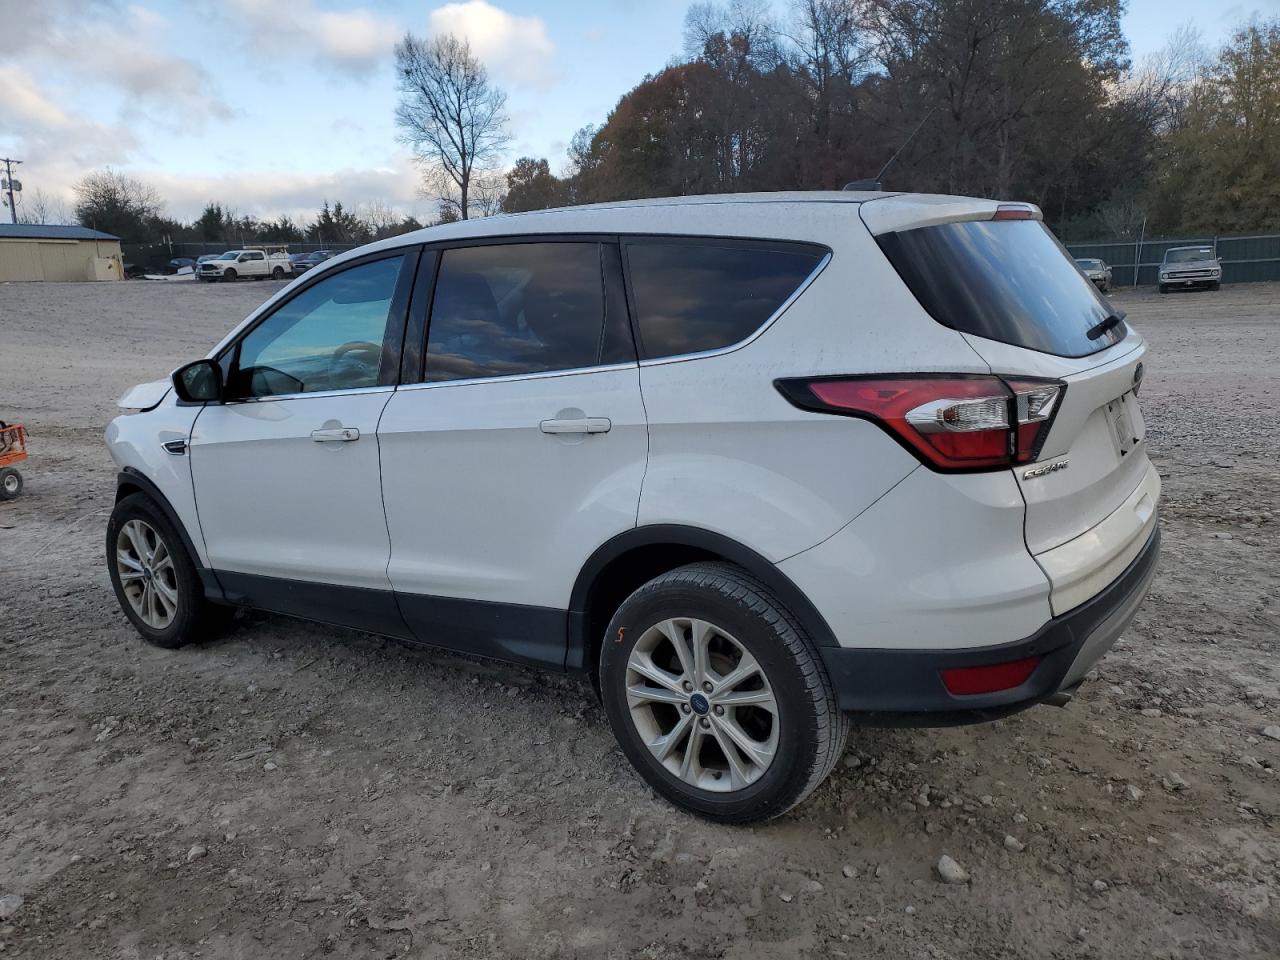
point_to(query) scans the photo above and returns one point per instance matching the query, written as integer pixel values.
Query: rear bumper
(904, 687)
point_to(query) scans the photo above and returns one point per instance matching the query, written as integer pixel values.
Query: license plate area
(1125, 420)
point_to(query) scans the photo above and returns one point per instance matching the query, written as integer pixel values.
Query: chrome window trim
(516, 377)
(759, 331)
(353, 391)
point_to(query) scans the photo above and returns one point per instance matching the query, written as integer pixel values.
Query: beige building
(48, 252)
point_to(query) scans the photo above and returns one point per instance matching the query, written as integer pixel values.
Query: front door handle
(337, 433)
(580, 425)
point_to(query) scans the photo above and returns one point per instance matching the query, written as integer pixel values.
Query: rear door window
(1007, 280)
(692, 296)
(521, 308)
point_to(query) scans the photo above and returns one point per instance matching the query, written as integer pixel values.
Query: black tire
(230, 274)
(277, 273)
(10, 484)
(1163, 288)
(1215, 285)
(811, 730)
(195, 617)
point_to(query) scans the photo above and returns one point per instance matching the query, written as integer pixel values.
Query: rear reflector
(966, 681)
(951, 422)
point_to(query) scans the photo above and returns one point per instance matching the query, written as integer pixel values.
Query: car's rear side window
(1006, 280)
(691, 296)
(520, 308)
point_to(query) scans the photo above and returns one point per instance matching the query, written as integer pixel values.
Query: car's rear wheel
(277, 273)
(154, 578)
(717, 696)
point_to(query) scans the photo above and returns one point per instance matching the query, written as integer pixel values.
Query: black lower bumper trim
(904, 687)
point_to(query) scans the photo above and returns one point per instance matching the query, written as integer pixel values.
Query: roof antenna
(874, 184)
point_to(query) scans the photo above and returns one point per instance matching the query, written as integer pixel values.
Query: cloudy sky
(272, 106)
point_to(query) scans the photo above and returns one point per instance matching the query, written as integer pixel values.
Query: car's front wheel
(229, 274)
(154, 579)
(717, 696)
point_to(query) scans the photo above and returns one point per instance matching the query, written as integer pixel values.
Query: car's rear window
(692, 296)
(1006, 280)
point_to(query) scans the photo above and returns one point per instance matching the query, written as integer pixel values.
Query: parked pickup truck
(258, 262)
(1190, 267)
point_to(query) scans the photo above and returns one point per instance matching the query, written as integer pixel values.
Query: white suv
(761, 466)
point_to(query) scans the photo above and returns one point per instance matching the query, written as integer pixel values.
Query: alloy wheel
(147, 574)
(702, 704)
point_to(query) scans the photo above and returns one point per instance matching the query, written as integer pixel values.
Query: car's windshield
(1188, 254)
(229, 255)
(1090, 264)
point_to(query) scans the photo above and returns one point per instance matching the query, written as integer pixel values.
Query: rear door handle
(581, 425)
(338, 433)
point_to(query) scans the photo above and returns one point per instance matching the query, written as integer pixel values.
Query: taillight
(952, 422)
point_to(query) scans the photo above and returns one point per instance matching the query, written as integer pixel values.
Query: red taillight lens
(951, 422)
(966, 681)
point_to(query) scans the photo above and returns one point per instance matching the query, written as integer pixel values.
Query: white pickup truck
(257, 262)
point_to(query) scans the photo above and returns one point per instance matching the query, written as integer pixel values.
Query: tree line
(1034, 100)
(1014, 99)
(132, 210)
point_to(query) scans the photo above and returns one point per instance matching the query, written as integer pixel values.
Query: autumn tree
(1221, 169)
(532, 186)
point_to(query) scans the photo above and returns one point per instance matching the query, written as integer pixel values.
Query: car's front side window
(328, 337)
(507, 309)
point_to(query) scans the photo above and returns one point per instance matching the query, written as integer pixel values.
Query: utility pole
(8, 182)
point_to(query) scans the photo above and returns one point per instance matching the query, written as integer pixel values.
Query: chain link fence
(1137, 263)
(154, 256)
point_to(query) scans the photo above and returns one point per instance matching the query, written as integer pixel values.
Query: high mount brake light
(951, 422)
(1013, 211)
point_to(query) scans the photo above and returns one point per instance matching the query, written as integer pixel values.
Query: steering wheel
(355, 362)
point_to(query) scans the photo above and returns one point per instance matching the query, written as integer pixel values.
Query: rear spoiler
(910, 211)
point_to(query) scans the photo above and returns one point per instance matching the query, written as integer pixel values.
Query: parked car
(1190, 267)
(760, 466)
(178, 263)
(1097, 271)
(254, 262)
(302, 262)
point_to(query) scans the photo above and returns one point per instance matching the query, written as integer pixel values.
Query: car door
(520, 451)
(252, 264)
(286, 470)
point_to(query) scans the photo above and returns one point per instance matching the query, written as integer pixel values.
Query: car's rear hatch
(1011, 290)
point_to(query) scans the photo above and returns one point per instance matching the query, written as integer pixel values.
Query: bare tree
(450, 113)
(113, 202)
(40, 207)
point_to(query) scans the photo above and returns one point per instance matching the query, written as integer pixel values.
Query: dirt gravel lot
(299, 791)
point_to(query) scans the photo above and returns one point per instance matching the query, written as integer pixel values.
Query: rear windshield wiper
(1109, 322)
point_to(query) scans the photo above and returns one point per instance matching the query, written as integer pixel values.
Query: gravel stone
(951, 872)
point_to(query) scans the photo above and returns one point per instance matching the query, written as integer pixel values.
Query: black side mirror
(199, 382)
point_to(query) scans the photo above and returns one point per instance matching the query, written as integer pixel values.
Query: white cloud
(48, 130)
(25, 103)
(517, 49)
(99, 43)
(353, 40)
(271, 193)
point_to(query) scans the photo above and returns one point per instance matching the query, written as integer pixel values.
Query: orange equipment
(13, 449)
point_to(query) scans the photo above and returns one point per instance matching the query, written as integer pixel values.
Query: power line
(8, 181)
